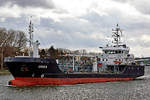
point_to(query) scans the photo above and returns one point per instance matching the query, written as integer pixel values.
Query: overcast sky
(81, 24)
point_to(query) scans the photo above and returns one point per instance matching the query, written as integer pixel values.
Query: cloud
(122, 1)
(79, 24)
(70, 33)
(141, 5)
(28, 3)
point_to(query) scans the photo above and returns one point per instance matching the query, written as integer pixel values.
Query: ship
(113, 64)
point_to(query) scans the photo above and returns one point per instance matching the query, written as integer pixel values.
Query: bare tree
(3, 35)
(11, 41)
(17, 39)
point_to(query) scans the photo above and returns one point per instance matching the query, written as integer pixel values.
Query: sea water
(138, 89)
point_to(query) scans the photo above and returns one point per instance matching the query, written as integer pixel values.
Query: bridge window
(113, 52)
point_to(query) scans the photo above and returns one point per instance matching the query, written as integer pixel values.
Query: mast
(31, 33)
(117, 33)
(33, 46)
(30, 38)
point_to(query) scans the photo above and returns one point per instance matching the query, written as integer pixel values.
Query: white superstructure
(118, 53)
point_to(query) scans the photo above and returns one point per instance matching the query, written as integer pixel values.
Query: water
(127, 90)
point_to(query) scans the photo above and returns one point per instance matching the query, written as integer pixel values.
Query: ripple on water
(128, 90)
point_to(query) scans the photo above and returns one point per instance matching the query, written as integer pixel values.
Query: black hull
(48, 68)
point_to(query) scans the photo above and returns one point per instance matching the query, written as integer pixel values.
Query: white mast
(33, 46)
(117, 35)
(30, 38)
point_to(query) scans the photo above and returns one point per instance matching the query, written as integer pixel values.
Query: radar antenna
(117, 33)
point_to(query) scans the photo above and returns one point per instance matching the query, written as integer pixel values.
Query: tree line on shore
(11, 43)
(14, 43)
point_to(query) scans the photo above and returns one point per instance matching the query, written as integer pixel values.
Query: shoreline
(4, 72)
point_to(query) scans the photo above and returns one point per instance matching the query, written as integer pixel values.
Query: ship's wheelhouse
(117, 54)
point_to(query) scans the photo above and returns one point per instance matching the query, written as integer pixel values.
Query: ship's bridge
(115, 49)
(118, 52)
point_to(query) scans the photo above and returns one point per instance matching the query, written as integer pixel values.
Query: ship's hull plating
(29, 81)
(27, 72)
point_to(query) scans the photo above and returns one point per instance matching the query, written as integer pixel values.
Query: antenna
(31, 32)
(30, 36)
(117, 33)
(33, 46)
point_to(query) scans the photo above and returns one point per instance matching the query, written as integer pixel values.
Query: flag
(99, 64)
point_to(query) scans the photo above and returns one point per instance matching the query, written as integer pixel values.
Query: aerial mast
(30, 38)
(117, 35)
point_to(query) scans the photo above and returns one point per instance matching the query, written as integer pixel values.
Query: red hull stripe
(28, 81)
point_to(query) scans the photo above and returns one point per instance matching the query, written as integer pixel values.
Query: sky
(81, 24)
